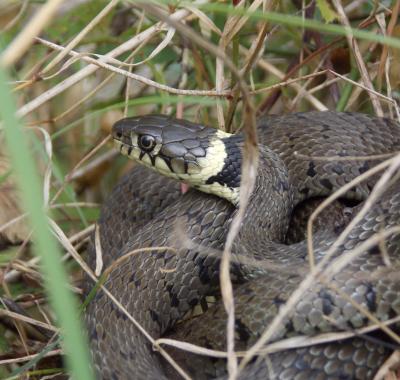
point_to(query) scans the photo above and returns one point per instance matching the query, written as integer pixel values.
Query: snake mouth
(124, 148)
(134, 152)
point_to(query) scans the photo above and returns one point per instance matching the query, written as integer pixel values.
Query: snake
(302, 156)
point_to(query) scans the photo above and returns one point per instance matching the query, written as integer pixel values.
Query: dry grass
(78, 68)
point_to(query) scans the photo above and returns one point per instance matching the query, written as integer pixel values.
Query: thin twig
(30, 357)
(280, 345)
(90, 69)
(358, 56)
(25, 38)
(102, 63)
(24, 318)
(75, 41)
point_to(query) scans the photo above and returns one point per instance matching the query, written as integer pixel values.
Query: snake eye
(147, 142)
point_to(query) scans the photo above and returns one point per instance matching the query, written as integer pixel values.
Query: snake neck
(272, 194)
(271, 201)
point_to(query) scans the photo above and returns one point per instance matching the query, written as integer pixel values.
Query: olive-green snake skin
(159, 288)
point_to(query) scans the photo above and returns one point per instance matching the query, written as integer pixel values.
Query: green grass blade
(17, 373)
(291, 20)
(45, 246)
(347, 90)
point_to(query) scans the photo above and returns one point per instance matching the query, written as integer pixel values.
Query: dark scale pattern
(334, 217)
(147, 297)
(256, 306)
(158, 298)
(230, 174)
(348, 134)
(342, 360)
(143, 198)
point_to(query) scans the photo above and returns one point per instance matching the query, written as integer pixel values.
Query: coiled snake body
(160, 287)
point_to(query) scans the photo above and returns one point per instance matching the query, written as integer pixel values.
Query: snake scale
(158, 288)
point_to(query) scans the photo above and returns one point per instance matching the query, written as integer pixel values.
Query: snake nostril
(117, 131)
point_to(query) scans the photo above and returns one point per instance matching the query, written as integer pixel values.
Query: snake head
(192, 153)
(166, 144)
